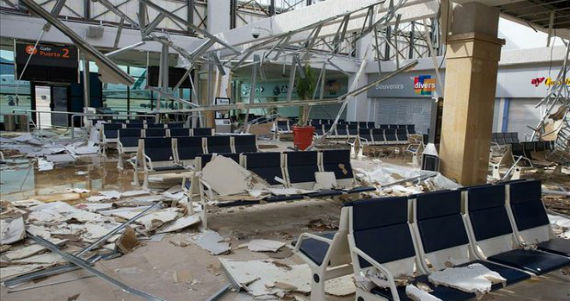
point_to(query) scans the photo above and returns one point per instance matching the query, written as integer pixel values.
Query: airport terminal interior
(296, 150)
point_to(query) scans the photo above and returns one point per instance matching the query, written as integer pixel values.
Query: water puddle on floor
(22, 179)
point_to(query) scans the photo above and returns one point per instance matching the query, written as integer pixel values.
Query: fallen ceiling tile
(12, 230)
(180, 223)
(265, 245)
(212, 241)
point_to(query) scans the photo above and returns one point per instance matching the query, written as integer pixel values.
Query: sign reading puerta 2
(48, 63)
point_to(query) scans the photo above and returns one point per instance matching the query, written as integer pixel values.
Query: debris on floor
(560, 225)
(265, 245)
(266, 277)
(212, 241)
(235, 178)
(12, 230)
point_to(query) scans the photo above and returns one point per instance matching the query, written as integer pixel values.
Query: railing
(74, 115)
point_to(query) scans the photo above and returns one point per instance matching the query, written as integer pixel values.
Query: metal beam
(79, 262)
(117, 75)
(177, 18)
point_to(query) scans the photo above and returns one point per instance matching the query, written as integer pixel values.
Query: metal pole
(79, 262)
(86, 85)
(253, 87)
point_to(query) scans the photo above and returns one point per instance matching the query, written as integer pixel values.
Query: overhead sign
(424, 84)
(49, 63)
(549, 82)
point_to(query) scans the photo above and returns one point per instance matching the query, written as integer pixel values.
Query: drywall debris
(60, 158)
(94, 207)
(262, 278)
(225, 176)
(341, 286)
(560, 225)
(23, 252)
(131, 193)
(128, 240)
(474, 278)
(180, 223)
(77, 190)
(211, 241)
(110, 194)
(46, 258)
(12, 230)
(265, 245)
(44, 165)
(17, 270)
(417, 294)
(154, 220)
(324, 180)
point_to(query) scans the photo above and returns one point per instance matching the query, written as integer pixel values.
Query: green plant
(305, 87)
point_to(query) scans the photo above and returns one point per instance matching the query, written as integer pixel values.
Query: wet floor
(24, 180)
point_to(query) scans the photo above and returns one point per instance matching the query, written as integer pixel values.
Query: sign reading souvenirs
(47, 63)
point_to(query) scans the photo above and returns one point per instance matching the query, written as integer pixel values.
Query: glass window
(14, 94)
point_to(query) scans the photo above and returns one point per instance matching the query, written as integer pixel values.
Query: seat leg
(145, 181)
(317, 288)
(516, 173)
(496, 175)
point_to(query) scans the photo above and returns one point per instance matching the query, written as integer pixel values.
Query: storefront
(406, 97)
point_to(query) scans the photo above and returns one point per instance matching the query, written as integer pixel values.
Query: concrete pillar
(473, 53)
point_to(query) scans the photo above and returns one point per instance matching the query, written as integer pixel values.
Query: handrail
(79, 114)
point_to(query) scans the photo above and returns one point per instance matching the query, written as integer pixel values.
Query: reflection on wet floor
(24, 180)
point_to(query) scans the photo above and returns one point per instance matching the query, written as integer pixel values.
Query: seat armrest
(306, 235)
(384, 271)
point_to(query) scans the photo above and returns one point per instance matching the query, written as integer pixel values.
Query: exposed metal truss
(555, 108)
(93, 11)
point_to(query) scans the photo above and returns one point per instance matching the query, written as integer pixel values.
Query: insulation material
(474, 278)
(225, 176)
(212, 241)
(12, 230)
(265, 245)
(417, 294)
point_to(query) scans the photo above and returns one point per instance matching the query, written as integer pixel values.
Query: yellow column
(470, 83)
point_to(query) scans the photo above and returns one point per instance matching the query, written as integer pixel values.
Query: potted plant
(305, 87)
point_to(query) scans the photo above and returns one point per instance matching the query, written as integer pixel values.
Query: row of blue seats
(170, 154)
(503, 227)
(112, 135)
(117, 126)
(287, 169)
(505, 138)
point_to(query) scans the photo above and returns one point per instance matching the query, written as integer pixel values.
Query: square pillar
(470, 84)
